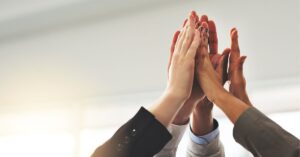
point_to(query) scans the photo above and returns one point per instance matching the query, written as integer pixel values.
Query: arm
(252, 129)
(181, 120)
(199, 106)
(204, 133)
(256, 139)
(212, 86)
(146, 133)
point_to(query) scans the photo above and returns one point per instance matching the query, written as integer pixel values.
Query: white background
(73, 71)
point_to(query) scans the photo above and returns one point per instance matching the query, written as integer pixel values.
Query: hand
(197, 97)
(181, 69)
(231, 106)
(237, 80)
(215, 58)
(197, 94)
(202, 120)
(208, 78)
(181, 74)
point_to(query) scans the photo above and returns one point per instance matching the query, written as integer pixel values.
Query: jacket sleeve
(263, 137)
(141, 136)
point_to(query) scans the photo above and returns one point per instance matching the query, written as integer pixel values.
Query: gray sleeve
(213, 149)
(263, 137)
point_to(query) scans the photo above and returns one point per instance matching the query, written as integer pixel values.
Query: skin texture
(181, 74)
(198, 104)
(202, 119)
(237, 80)
(213, 89)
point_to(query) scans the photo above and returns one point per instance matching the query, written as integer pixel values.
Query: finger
(175, 37)
(193, 19)
(189, 35)
(196, 18)
(235, 50)
(241, 63)
(220, 68)
(195, 44)
(180, 39)
(184, 22)
(213, 38)
(226, 53)
(233, 29)
(204, 39)
(203, 18)
(204, 33)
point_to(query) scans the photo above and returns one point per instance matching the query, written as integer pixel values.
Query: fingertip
(234, 34)
(226, 51)
(193, 13)
(243, 59)
(211, 25)
(204, 18)
(232, 29)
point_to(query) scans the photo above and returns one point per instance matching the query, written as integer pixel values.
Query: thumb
(175, 37)
(220, 68)
(241, 62)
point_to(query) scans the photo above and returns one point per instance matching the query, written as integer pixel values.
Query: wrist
(175, 96)
(219, 96)
(204, 106)
(183, 115)
(202, 123)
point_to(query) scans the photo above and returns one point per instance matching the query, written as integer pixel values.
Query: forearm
(230, 105)
(202, 120)
(183, 115)
(166, 108)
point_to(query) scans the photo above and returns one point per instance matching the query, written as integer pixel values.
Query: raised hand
(183, 115)
(205, 73)
(181, 73)
(202, 119)
(197, 97)
(237, 80)
(219, 61)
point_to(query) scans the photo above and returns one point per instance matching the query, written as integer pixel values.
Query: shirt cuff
(206, 139)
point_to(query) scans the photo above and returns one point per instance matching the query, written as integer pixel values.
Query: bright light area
(73, 71)
(49, 133)
(37, 145)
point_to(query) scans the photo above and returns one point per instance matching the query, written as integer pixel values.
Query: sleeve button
(133, 132)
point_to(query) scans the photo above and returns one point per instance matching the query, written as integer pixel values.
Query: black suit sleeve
(263, 137)
(141, 136)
